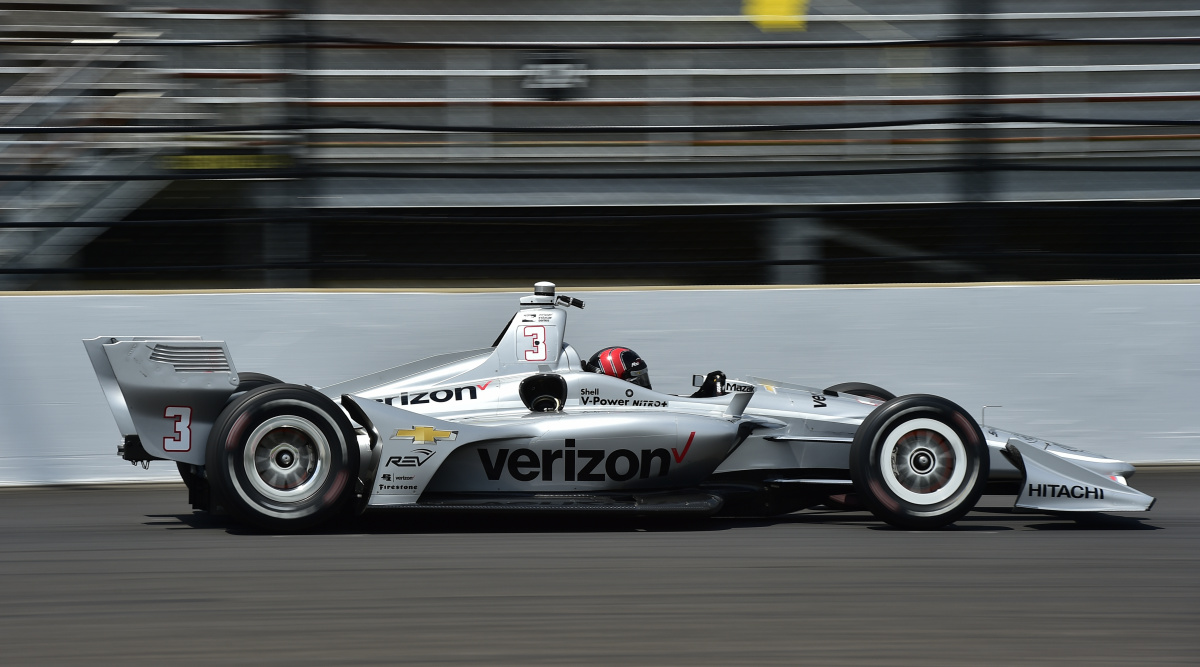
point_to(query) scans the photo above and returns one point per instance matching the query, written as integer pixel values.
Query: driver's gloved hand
(713, 383)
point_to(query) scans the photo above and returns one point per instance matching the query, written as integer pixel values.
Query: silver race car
(529, 425)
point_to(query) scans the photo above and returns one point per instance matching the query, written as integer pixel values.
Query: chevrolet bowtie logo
(424, 435)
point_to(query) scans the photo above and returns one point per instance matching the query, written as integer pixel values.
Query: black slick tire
(197, 485)
(282, 457)
(249, 380)
(919, 462)
(861, 389)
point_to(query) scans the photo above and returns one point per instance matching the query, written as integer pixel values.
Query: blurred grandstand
(433, 142)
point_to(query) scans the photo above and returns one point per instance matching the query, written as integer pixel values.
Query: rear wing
(165, 392)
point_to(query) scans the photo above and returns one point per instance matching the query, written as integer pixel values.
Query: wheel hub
(286, 458)
(921, 461)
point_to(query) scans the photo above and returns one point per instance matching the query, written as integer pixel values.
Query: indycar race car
(528, 425)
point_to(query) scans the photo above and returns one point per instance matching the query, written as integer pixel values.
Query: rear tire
(197, 485)
(248, 381)
(862, 389)
(919, 462)
(282, 457)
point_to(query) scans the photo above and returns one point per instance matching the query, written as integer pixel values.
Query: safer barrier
(1107, 367)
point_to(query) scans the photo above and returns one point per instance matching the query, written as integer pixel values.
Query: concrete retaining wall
(1111, 368)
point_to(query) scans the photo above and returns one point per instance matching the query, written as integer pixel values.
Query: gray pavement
(129, 575)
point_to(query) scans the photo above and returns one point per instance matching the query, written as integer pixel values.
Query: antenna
(983, 415)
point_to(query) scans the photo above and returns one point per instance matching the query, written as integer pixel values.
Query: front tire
(919, 462)
(282, 457)
(862, 389)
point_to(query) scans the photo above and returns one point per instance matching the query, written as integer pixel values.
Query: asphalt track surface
(130, 576)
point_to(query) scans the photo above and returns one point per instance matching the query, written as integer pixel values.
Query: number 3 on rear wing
(165, 390)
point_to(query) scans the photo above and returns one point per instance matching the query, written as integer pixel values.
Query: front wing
(1053, 484)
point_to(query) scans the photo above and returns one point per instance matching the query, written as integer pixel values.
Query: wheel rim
(923, 461)
(287, 458)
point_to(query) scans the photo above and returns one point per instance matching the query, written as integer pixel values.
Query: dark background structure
(370, 143)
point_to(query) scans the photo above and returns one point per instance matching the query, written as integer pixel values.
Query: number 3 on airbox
(534, 338)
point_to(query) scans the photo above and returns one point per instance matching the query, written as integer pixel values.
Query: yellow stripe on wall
(777, 14)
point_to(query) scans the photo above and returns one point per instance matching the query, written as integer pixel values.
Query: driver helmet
(621, 362)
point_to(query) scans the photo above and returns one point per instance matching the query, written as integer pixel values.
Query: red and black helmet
(621, 362)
